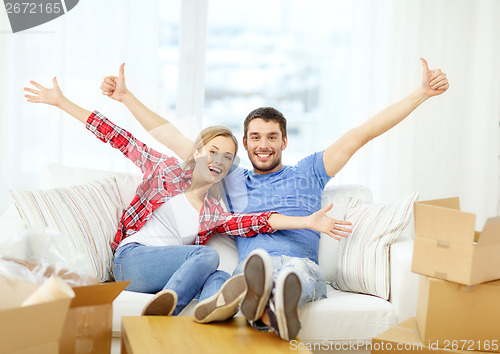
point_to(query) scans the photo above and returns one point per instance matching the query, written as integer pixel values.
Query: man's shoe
(224, 304)
(283, 306)
(162, 304)
(259, 279)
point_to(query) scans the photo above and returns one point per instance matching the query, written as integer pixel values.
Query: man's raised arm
(158, 127)
(434, 83)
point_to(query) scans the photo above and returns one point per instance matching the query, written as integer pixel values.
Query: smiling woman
(212, 157)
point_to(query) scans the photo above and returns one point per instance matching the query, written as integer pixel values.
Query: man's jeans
(312, 277)
(184, 269)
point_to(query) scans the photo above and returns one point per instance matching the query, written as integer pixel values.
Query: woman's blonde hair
(205, 136)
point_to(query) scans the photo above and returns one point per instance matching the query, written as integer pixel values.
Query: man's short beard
(267, 169)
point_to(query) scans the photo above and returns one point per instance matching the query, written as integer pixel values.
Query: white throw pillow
(338, 196)
(87, 214)
(363, 263)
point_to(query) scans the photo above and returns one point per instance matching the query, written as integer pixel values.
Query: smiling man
(281, 269)
(263, 141)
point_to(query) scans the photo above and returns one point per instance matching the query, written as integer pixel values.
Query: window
(168, 53)
(250, 47)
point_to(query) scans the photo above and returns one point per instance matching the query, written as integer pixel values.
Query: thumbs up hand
(433, 81)
(114, 87)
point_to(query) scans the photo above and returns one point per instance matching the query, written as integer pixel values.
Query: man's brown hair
(267, 114)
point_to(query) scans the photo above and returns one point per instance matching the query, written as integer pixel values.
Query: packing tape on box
(468, 288)
(443, 244)
(440, 275)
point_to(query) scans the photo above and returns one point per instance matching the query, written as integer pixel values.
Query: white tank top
(175, 222)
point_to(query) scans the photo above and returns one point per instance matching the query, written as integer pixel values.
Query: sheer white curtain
(450, 145)
(80, 48)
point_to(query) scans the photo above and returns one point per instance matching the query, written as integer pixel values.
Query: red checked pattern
(163, 179)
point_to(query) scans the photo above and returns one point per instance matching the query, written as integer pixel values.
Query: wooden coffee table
(180, 334)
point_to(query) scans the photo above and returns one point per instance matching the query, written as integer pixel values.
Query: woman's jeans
(185, 269)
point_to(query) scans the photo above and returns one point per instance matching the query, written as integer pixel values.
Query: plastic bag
(45, 252)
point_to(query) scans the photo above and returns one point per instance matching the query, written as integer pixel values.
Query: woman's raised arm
(159, 128)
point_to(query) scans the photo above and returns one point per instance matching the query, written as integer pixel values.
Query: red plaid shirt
(163, 179)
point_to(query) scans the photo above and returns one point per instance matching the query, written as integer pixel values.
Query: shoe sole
(163, 304)
(224, 304)
(287, 299)
(259, 281)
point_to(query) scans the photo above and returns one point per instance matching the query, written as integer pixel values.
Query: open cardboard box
(88, 322)
(449, 312)
(87, 328)
(447, 246)
(405, 338)
(34, 329)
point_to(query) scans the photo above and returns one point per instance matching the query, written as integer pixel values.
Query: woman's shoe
(224, 304)
(162, 304)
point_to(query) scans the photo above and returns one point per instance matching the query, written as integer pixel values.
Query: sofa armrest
(404, 283)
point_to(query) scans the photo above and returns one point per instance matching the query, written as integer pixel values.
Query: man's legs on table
(296, 282)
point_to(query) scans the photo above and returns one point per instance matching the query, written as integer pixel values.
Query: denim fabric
(185, 269)
(312, 277)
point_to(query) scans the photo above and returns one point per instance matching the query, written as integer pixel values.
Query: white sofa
(341, 319)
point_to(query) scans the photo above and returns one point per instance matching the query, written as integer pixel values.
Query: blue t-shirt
(293, 190)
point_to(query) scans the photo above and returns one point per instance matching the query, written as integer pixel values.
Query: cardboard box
(405, 338)
(447, 246)
(34, 329)
(448, 312)
(88, 323)
(89, 320)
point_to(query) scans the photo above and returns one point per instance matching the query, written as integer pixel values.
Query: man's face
(264, 143)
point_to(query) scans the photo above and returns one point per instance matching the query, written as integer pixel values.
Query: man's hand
(52, 96)
(319, 221)
(433, 81)
(114, 87)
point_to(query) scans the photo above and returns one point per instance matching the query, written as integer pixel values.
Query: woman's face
(214, 160)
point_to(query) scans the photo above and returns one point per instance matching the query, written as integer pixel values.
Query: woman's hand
(434, 82)
(55, 97)
(114, 87)
(319, 221)
(52, 96)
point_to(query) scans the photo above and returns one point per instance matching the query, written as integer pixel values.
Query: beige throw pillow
(363, 262)
(87, 214)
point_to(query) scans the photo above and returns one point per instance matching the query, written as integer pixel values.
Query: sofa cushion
(345, 316)
(338, 196)
(363, 263)
(87, 214)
